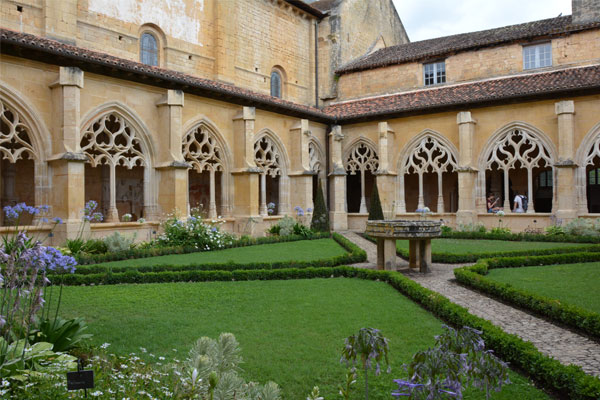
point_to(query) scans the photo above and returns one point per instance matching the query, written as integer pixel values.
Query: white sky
(435, 18)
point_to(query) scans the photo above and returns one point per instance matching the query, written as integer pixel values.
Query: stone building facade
(162, 105)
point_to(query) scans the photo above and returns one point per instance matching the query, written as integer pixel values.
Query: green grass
(569, 283)
(291, 332)
(469, 246)
(302, 250)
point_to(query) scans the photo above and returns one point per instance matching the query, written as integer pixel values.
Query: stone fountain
(418, 233)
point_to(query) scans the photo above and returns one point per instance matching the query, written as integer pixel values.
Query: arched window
(361, 162)
(149, 49)
(276, 84)
(266, 157)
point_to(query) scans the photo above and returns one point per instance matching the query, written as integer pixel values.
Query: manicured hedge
(521, 237)
(452, 258)
(587, 322)
(566, 381)
(108, 274)
(165, 251)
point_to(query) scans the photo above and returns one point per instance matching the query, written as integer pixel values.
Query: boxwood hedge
(582, 320)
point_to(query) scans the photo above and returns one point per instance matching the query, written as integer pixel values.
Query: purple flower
(57, 220)
(97, 217)
(309, 210)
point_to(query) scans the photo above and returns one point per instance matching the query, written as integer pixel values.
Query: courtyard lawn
(470, 246)
(576, 284)
(302, 250)
(291, 332)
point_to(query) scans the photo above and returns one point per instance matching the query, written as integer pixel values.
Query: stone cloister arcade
(120, 170)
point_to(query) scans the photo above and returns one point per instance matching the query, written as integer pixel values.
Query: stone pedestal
(386, 254)
(419, 234)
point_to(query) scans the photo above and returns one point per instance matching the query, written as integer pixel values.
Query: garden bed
(290, 332)
(584, 320)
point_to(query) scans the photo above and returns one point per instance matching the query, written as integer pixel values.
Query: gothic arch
(219, 145)
(143, 156)
(587, 151)
(283, 166)
(360, 157)
(531, 136)
(418, 157)
(317, 164)
(26, 126)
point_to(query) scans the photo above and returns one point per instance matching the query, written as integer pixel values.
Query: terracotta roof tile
(532, 85)
(440, 47)
(58, 53)
(571, 81)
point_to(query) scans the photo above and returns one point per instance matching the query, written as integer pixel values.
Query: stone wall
(580, 48)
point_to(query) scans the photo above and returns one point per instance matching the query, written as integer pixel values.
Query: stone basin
(418, 233)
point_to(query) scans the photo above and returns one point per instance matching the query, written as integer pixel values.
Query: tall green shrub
(320, 218)
(376, 212)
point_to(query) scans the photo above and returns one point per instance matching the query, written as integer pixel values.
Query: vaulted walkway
(562, 344)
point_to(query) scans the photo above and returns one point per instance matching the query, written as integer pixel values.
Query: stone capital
(564, 107)
(69, 76)
(464, 117)
(247, 113)
(336, 133)
(172, 98)
(384, 129)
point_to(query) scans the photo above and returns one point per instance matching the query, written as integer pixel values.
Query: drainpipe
(327, 157)
(316, 63)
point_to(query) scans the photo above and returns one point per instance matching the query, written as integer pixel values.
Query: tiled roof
(439, 47)
(551, 84)
(324, 5)
(308, 8)
(488, 92)
(57, 53)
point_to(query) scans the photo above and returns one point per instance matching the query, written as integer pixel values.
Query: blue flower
(57, 220)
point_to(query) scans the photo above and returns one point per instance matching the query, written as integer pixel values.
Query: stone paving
(562, 344)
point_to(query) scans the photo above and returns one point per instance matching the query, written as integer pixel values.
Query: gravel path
(562, 344)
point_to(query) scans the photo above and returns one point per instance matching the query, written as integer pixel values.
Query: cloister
(119, 157)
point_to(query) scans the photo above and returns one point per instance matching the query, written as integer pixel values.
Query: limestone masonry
(225, 106)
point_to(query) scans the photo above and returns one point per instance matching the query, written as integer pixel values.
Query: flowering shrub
(211, 371)
(89, 215)
(583, 227)
(458, 360)
(271, 208)
(193, 232)
(126, 217)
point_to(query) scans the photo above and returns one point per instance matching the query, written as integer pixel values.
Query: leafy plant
(555, 230)
(117, 242)
(375, 211)
(367, 346)
(75, 245)
(458, 360)
(94, 246)
(18, 358)
(320, 217)
(64, 334)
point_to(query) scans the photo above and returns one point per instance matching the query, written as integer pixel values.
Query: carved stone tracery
(267, 157)
(111, 140)
(14, 137)
(429, 155)
(315, 162)
(201, 150)
(362, 158)
(518, 148)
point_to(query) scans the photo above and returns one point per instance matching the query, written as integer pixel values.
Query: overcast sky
(435, 18)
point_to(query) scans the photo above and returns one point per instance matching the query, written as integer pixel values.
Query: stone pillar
(467, 171)
(565, 168)
(301, 176)
(338, 214)
(245, 172)
(386, 254)
(385, 177)
(67, 163)
(172, 169)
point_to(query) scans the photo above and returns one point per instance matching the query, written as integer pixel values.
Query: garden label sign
(82, 379)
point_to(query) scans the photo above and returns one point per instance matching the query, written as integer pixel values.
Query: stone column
(565, 168)
(338, 214)
(300, 173)
(245, 172)
(385, 177)
(67, 163)
(172, 176)
(467, 171)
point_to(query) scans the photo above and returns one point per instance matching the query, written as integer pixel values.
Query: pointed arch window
(276, 83)
(362, 160)
(149, 49)
(267, 157)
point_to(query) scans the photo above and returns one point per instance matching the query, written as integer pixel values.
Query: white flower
(104, 345)
(96, 393)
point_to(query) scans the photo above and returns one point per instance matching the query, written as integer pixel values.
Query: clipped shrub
(320, 217)
(117, 242)
(375, 212)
